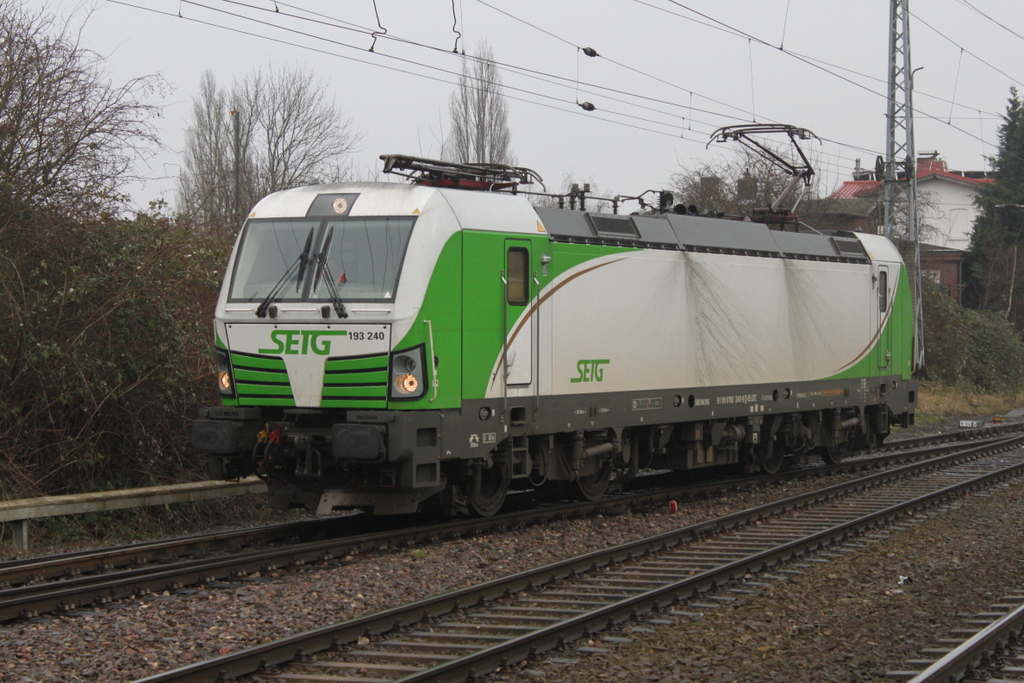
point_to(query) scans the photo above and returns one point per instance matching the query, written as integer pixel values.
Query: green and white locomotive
(383, 346)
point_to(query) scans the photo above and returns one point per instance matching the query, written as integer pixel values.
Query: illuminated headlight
(408, 378)
(406, 384)
(225, 384)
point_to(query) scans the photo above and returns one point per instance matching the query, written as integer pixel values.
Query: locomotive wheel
(592, 486)
(492, 493)
(770, 456)
(834, 455)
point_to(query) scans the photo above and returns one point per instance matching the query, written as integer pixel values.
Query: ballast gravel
(862, 614)
(845, 620)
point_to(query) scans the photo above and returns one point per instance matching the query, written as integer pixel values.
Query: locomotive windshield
(362, 256)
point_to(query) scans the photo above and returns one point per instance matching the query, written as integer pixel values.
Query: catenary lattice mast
(899, 151)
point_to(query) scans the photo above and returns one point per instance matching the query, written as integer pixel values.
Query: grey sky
(654, 49)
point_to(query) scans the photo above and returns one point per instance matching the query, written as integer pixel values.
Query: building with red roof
(946, 213)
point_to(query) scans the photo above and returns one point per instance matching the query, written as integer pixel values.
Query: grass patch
(938, 403)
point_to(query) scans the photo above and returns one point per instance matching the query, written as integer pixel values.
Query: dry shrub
(104, 352)
(104, 328)
(978, 351)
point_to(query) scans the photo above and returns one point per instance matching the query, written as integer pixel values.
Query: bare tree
(594, 198)
(479, 114)
(100, 360)
(735, 187)
(205, 186)
(289, 134)
(68, 137)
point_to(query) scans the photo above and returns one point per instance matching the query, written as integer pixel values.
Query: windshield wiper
(300, 263)
(321, 272)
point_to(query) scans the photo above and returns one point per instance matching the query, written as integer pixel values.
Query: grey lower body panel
(422, 445)
(585, 412)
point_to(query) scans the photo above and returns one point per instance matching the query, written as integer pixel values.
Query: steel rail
(963, 659)
(13, 572)
(59, 565)
(544, 639)
(959, 435)
(270, 654)
(164, 573)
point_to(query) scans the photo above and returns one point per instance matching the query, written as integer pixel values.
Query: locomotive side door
(518, 328)
(884, 328)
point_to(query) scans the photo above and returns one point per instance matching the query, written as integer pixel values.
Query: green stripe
(261, 362)
(279, 402)
(242, 375)
(360, 392)
(369, 363)
(245, 390)
(359, 377)
(361, 403)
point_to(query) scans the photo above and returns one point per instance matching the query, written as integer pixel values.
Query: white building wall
(946, 212)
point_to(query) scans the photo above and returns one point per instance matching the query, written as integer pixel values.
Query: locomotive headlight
(225, 383)
(408, 374)
(406, 384)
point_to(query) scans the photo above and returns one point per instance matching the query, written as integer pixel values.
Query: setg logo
(301, 342)
(589, 371)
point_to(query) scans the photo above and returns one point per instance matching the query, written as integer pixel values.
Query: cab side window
(517, 289)
(883, 290)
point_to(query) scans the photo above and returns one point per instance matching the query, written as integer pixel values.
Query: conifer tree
(996, 254)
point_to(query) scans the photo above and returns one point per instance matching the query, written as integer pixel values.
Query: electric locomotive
(390, 346)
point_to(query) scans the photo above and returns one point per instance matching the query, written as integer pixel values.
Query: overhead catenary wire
(750, 56)
(630, 99)
(607, 114)
(739, 32)
(514, 68)
(874, 152)
(994, 21)
(458, 33)
(956, 82)
(964, 49)
(333, 22)
(606, 58)
(552, 78)
(624, 115)
(666, 133)
(822, 65)
(323, 20)
(785, 24)
(660, 80)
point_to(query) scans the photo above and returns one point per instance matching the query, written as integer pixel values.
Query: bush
(104, 326)
(105, 347)
(979, 350)
(945, 328)
(995, 354)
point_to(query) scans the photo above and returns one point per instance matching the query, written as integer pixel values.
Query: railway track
(65, 582)
(479, 629)
(987, 647)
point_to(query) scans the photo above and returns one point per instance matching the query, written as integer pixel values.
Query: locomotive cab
(314, 345)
